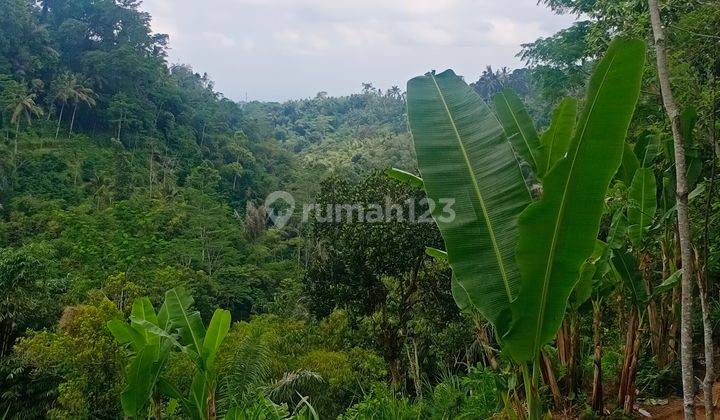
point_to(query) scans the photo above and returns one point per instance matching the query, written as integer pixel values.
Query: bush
(471, 396)
(85, 355)
(381, 403)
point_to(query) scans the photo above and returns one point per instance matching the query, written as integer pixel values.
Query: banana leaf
(438, 254)
(643, 204)
(198, 395)
(216, 332)
(558, 232)
(187, 321)
(520, 130)
(405, 177)
(618, 229)
(464, 155)
(142, 309)
(647, 149)
(140, 381)
(125, 334)
(668, 284)
(629, 166)
(627, 268)
(556, 139)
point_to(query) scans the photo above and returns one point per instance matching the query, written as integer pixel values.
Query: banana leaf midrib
(551, 257)
(498, 255)
(520, 130)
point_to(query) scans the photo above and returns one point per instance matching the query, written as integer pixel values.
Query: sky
(275, 50)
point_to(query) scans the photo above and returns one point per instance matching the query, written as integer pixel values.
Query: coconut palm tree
(23, 106)
(64, 86)
(78, 92)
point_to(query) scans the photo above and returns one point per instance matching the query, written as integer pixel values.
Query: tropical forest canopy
(142, 275)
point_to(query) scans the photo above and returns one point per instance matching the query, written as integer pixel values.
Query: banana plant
(201, 345)
(148, 354)
(516, 261)
(152, 337)
(463, 155)
(626, 267)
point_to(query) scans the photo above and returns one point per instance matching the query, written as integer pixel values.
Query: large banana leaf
(668, 284)
(140, 380)
(125, 334)
(217, 330)
(519, 129)
(584, 287)
(558, 233)
(643, 204)
(647, 149)
(142, 309)
(629, 166)
(618, 230)
(463, 155)
(187, 321)
(556, 139)
(693, 158)
(627, 268)
(198, 395)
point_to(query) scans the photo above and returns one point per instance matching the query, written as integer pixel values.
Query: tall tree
(78, 92)
(23, 107)
(682, 212)
(63, 92)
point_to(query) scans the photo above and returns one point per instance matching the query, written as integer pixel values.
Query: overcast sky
(288, 49)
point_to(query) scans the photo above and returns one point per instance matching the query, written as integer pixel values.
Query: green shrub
(381, 403)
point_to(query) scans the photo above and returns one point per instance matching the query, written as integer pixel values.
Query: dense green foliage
(142, 277)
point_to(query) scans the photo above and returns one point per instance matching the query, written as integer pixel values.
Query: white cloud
(219, 38)
(334, 45)
(302, 43)
(511, 33)
(362, 34)
(425, 33)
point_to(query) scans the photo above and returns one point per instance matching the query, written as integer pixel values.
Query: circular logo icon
(280, 218)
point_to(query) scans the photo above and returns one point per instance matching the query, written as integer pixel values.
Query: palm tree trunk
(17, 134)
(57, 130)
(120, 125)
(72, 121)
(686, 359)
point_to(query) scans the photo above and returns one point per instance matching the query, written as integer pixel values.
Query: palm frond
(245, 372)
(293, 383)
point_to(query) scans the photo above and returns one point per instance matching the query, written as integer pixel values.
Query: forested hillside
(141, 275)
